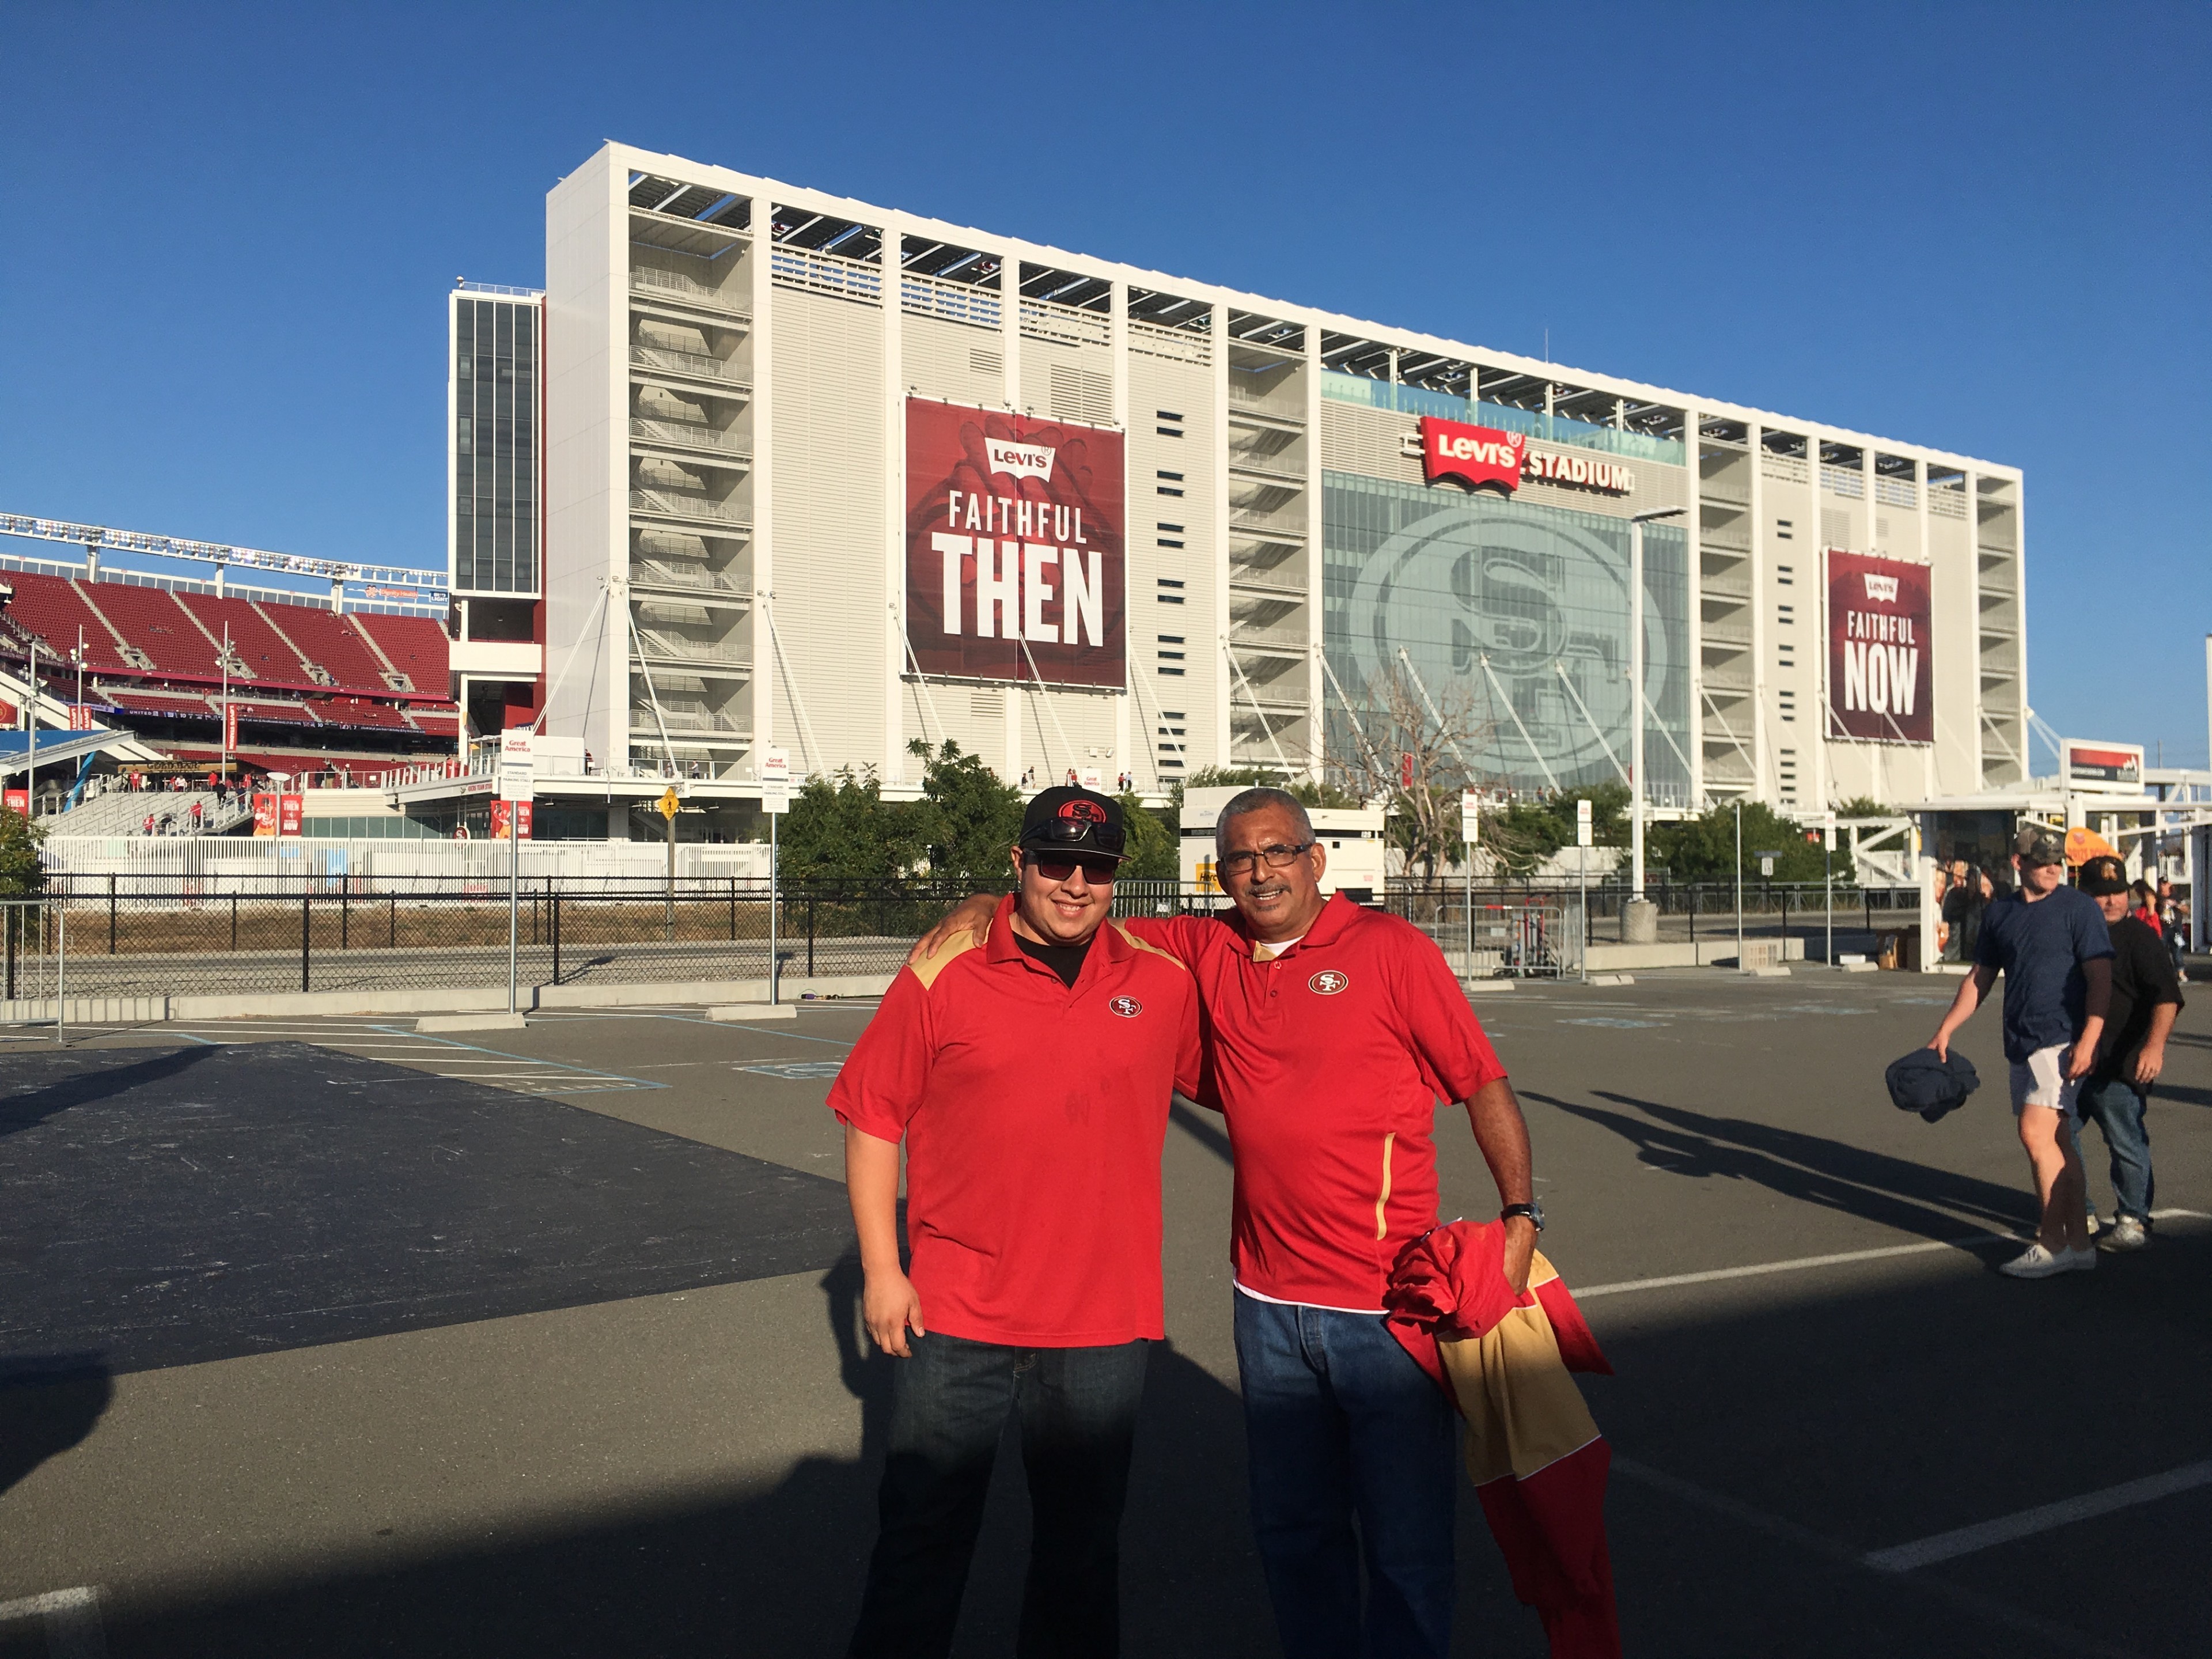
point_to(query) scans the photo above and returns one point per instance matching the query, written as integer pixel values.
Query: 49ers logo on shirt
(1127, 1007)
(1328, 983)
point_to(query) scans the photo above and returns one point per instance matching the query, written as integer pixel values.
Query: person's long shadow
(1910, 1197)
(48, 1403)
(776, 1570)
(96, 1076)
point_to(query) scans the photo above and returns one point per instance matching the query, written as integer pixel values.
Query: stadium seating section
(175, 669)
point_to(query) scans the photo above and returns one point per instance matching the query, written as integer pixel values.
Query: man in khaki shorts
(2051, 943)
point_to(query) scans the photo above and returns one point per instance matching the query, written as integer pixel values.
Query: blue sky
(228, 231)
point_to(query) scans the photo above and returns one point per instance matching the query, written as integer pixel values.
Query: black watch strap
(1534, 1212)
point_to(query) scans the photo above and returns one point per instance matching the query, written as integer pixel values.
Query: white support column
(1117, 312)
(1217, 435)
(2020, 610)
(1316, 510)
(1010, 326)
(1755, 585)
(615, 635)
(764, 432)
(895, 757)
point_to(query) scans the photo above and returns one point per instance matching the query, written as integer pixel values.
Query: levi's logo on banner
(1478, 456)
(1879, 675)
(1014, 549)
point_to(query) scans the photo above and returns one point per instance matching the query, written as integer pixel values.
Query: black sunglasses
(1085, 832)
(1096, 871)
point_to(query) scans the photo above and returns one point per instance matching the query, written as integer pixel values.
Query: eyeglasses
(1096, 871)
(1278, 857)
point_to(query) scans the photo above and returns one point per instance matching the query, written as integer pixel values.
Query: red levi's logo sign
(1479, 457)
(1879, 674)
(1014, 547)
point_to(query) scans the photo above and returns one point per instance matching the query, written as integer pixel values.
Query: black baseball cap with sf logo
(1071, 819)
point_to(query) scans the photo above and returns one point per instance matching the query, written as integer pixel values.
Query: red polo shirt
(1327, 1063)
(1033, 1115)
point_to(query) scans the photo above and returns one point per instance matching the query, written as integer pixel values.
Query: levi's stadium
(763, 471)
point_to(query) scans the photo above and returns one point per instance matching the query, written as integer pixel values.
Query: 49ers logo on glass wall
(1880, 677)
(1013, 547)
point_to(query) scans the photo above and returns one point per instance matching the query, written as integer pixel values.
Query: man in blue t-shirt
(2050, 942)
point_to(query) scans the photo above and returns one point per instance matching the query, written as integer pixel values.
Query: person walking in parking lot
(2051, 943)
(1332, 1031)
(1029, 1074)
(2146, 998)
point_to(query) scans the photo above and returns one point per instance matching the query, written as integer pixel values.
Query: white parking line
(1966, 1540)
(1800, 1264)
(71, 1618)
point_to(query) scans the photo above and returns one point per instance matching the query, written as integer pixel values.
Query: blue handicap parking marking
(797, 1070)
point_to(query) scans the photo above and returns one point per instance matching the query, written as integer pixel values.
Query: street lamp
(1636, 691)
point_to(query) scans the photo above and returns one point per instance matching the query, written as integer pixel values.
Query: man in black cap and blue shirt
(2051, 943)
(1028, 1074)
(2116, 1096)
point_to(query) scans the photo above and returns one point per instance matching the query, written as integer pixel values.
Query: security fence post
(111, 915)
(15, 914)
(809, 934)
(307, 900)
(557, 936)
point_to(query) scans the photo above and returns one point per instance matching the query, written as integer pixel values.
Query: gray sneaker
(2128, 1233)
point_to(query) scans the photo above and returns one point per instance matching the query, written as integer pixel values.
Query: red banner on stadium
(19, 800)
(264, 815)
(291, 814)
(1881, 683)
(230, 726)
(1013, 547)
(501, 811)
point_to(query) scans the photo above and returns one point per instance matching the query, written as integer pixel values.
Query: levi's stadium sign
(1014, 551)
(1483, 457)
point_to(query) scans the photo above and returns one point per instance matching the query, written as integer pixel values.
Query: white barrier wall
(233, 863)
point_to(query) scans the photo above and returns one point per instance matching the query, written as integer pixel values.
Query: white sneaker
(2092, 1223)
(2037, 1262)
(2128, 1233)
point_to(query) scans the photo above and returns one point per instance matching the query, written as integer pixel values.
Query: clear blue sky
(226, 232)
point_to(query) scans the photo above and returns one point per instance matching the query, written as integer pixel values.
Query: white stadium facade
(829, 478)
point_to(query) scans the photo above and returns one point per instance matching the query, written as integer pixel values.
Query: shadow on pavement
(90, 1075)
(1911, 1197)
(48, 1403)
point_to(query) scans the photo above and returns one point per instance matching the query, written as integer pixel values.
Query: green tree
(1524, 833)
(1303, 790)
(1154, 848)
(21, 873)
(841, 828)
(966, 817)
(1703, 848)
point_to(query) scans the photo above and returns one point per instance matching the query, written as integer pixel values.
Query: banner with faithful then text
(1014, 567)
(1880, 680)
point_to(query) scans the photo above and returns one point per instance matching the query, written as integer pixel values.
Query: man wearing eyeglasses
(1028, 1070)
(1331, 1033)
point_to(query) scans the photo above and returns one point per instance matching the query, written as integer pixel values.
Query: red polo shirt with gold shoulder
(1033, 1115)
(1327, 1062)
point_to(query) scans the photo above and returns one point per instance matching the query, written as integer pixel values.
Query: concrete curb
(753, 1010)
(488, 999)
(471, 1023)
(86, 1010)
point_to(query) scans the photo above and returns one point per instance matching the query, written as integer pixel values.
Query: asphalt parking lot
(325, 1337)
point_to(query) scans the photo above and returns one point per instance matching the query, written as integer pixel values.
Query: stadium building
(833, 477)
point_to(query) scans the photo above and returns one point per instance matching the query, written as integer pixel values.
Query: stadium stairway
(123, 812)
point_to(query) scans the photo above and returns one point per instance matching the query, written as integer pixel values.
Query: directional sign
(774, 781)
(1470, 814)
(1828, 830)
(514, 764)
(1583, 829)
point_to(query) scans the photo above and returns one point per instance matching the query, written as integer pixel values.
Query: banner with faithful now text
(1014, 567)
(1881, 678)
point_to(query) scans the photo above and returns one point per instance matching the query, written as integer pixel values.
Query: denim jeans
(2114, 1107)
(950, 1402)
(1342, 1423)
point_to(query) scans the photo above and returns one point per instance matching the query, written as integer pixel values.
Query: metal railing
(646, 279)
(696, 364)
(682, 435)
(674, 506)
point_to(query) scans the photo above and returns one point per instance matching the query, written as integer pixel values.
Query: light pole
(1636, 710)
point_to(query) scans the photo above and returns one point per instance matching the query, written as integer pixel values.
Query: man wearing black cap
(2146, 998)
(1028, 1076)
(2051, 943)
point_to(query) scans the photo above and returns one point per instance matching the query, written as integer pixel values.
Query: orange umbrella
(2082, 845)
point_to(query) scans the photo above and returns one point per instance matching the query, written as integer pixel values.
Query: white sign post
(1584, 834)
(1470, 832)
(514, 788)
(1828, 877)
(774, 772)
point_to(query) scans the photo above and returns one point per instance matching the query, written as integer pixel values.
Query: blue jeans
(2115, 1107)
(1340, 1424)
(950, 1402)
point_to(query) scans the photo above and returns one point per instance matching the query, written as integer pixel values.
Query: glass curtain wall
(1510, 609)
(495, 445)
